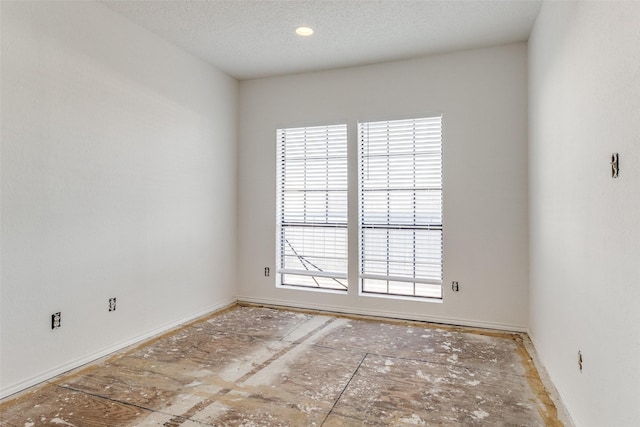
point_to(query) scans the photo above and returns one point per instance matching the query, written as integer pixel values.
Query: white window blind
(312, 206)
(400, 207)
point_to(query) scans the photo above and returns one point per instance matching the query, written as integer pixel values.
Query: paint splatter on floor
(255, 366)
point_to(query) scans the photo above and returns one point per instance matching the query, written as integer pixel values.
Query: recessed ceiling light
(304, 31)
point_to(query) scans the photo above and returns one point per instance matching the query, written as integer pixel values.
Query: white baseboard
(76, 363)
(563, 413)
(383, 313)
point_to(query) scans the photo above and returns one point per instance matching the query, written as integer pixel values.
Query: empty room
(319, 213)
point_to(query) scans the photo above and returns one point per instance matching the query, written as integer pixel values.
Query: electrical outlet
(455, 287)
(56, 320)
(267, 271)
(580, 360)
(112, 304)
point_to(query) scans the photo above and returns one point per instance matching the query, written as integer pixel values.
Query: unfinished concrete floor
(253, 366)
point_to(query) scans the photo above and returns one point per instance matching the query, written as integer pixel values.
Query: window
(312, 207)
(400, 207)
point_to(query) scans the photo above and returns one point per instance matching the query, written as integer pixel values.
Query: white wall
(118, 179)
(482, 95)
(585, 226)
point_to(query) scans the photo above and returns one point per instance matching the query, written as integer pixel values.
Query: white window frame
(312, 220)
(389, 271)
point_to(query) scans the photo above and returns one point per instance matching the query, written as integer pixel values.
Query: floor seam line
(77, 390)
(344, 389)
(156, 411)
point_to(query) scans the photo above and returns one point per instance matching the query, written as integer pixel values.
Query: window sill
(309, 289)
(401, 297)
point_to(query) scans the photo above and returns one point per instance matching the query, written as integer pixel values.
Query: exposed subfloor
(256, 366)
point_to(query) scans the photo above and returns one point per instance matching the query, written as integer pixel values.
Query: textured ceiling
(256, 38)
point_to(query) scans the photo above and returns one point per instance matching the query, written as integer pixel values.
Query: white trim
(407, 116)
(313, 289)
(76, 363)
(310, 123)
(563, 414)
(384, 313)
(312, 163)
(432, 300)
(403, 143)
